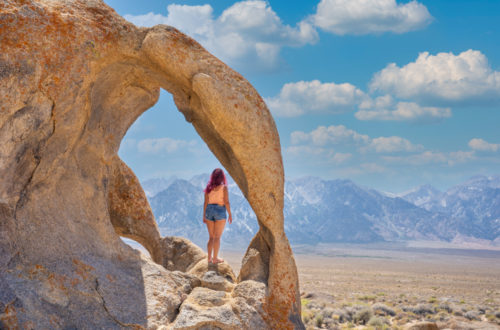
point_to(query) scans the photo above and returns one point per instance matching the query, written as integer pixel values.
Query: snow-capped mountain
(474, 207)
(421, 195)
(319, 210)
(153, 186)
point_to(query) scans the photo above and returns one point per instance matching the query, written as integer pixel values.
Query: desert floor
(390, 286)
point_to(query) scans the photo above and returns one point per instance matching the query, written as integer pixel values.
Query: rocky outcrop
(74, 76)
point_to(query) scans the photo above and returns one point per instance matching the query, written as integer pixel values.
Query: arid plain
(391, 286)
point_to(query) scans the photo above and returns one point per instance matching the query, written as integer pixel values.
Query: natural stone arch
(63, 183)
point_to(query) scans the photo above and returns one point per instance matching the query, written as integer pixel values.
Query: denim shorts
(215, 212)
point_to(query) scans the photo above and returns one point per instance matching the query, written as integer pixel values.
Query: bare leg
(219, 228)
(211, 234)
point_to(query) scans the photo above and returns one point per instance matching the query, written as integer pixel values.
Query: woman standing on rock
(214, 212)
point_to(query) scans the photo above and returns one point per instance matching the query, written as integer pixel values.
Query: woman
(214, 212)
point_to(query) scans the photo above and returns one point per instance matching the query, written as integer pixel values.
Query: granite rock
(74, 76)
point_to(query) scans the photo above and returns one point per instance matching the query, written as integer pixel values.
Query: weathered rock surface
(180, 254)
(214, 281)
(74, 76)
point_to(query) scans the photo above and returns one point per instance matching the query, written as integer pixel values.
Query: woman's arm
(205, 208)
(226, 203)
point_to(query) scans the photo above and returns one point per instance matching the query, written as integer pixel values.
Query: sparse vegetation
(360, 294)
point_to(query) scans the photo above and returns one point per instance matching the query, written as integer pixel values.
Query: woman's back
(216, 196)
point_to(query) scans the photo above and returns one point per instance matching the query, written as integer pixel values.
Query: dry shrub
(318, 320)
(327, 312)
(383, 309)
(472, 315)
(423, 309)
(363, 315)
(377, 322)
(445, 307)
(342, 316)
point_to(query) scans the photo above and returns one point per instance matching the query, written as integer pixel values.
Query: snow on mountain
(319, 210)
(473, 205)
(421, 195)
(153, 186)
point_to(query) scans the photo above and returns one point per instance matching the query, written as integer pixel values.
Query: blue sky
(390, 94)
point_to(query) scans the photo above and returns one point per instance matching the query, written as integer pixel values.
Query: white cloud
(303, 97)
(327, 154)
(482, 145)
(329, 135)
(339, 157)
(340, 135)
(248, 32)
(320, 141)
(432, 157)
(164, 145)
(386, 108)
(370, 16)
(444, 77)
(392, 144)
(301, 150)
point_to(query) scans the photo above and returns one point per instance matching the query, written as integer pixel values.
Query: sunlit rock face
(74, 76)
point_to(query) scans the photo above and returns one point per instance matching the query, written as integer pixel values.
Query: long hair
(217, 178)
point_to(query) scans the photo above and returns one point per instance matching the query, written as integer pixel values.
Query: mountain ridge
(339, 210)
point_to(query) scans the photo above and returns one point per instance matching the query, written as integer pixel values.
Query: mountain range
(330, 211)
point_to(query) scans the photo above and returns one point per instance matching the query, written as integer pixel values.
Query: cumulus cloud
(339, 157)
(322, 137)
(392, 144)
(433, 157)
(329, 135)
(386, 108)
(370, 16)
(303, 97)
(444, 77)
(164, 145)
(247, 32)
(328, 155)
(305, 150)
(482, 145)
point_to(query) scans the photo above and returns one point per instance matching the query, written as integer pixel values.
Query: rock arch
(74, 76)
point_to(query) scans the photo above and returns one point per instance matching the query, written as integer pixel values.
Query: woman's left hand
(230, 219)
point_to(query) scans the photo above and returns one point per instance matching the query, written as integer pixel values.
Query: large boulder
(74, 76)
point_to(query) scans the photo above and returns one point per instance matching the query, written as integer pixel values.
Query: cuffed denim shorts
(215, 212)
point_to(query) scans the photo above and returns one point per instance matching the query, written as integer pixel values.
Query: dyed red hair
(217, 178)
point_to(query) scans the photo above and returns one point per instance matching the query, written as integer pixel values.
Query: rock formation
(74, 76)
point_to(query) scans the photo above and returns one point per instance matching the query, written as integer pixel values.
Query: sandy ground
(456, 289)
(348, 272)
